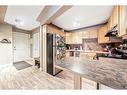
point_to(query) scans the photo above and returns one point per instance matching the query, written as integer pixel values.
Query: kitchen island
(112, 73)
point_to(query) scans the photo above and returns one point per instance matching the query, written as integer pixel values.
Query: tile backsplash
(91, 44)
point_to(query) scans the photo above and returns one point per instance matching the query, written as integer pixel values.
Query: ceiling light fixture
(19, 22)
(76, 24)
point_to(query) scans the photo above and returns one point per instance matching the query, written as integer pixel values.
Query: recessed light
(76, 24)
(19, 22)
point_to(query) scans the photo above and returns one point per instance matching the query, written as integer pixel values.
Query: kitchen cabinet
(85, 34)
(93, 34)
(89, 34)
(77, 38)
(113, 20)
(54, 30)
(118, 17)
(122, 21)
(67, 54)
(68, 38)
(74, 38)
(101, 34)
(87, 55)
(115, 16)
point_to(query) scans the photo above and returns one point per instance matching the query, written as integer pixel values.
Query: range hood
(113, 32)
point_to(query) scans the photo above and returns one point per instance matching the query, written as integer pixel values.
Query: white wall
(6, 49)
(36, 43)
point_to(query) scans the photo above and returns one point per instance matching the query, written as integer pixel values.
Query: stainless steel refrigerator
(55, 52)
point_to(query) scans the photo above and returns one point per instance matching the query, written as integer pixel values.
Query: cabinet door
(109, 24)
(85, 34)
(115, 16)
(68, 38)
(74, 38)
(101, 35)
(122, 20)
(113, 20)
(93, 34)
(118, 17)
(77, 38)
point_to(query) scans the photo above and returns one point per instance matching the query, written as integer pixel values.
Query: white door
(36, 45)
(21, 46)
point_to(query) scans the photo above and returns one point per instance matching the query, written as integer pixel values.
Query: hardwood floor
(29, 78)
(32, 78)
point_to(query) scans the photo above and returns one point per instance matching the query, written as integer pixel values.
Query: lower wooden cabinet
(89, 55)
(88, 84)
(103, 87)
(91, 85)
(67, 54)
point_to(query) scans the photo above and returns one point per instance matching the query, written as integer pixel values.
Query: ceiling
(83, 16)
(23, 17)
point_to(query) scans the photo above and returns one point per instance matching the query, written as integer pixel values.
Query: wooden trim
(55, 30)
(41, 50)
(2, 13)
(43, 40)
(77, 82)
(52, 25)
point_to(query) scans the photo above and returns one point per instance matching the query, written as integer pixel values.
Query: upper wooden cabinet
(68, 38)
(93, 33)
(113, 20)
(74, 38)
(101, 34)
(77, 37)
(122, 20)
(54, 30)
(118, 17)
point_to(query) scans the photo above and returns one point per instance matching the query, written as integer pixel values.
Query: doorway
(21, 46)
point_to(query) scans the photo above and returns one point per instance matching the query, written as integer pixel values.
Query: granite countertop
(110, 72)
(87, 51)
(73, 50)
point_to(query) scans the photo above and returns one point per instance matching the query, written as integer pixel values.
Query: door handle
(14, 48)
